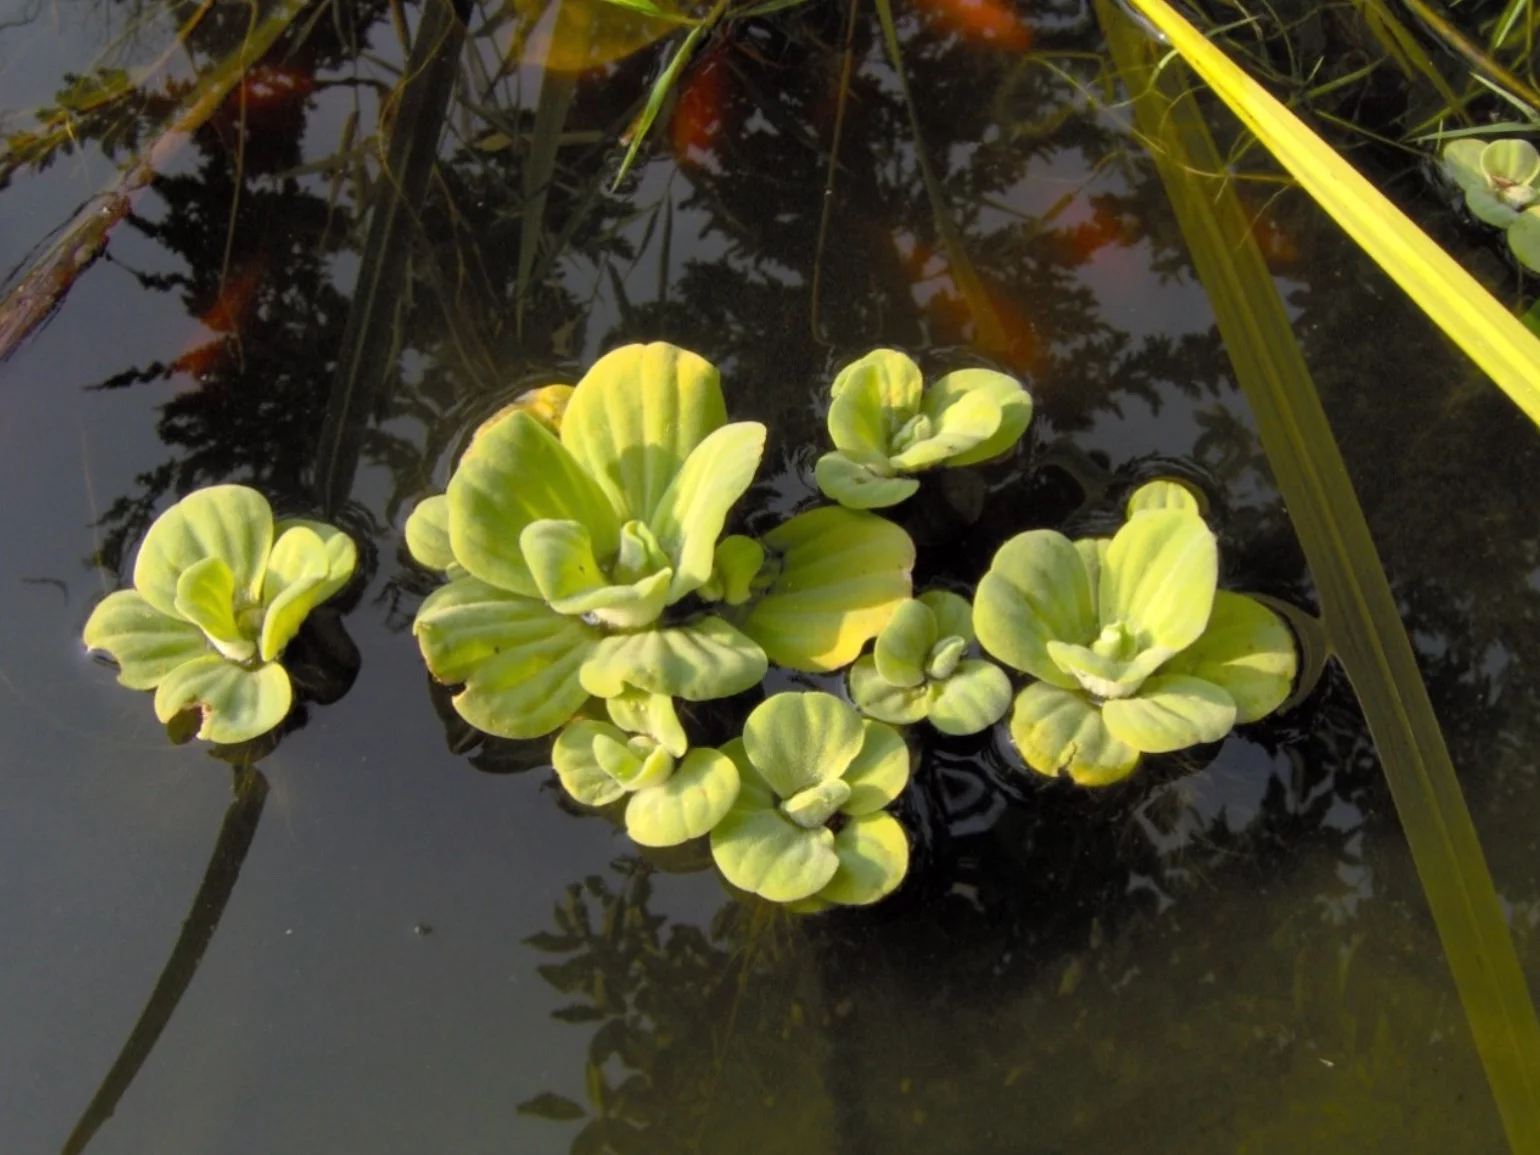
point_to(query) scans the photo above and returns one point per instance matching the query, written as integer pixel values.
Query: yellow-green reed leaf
(1358, 607)
(1436, 282)
(661, 88)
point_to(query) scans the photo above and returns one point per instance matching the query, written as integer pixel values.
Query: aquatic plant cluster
(1498, 180)
(589, 589)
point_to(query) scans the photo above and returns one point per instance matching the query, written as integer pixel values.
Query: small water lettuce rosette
(920, 669)
(1135, 649)
(219, 591)
(887, 425)
(673, 793)
(1499, 180)
(570, 532)
(808, 827)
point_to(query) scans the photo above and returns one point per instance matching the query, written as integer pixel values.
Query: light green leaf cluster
(887, 425)
(672, 793)
(808, 826)
(1135, 649)
(573, 522)
(1499, 179)
(219, 591)
(580, 519)
(920, 669)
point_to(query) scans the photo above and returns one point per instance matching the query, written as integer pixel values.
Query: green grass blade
(1450, 296)
(1359, 610)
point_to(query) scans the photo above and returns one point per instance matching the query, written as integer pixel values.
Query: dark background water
(423, 950)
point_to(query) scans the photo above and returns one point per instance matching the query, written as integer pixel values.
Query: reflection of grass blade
(30, 302)
(1454, 299)
(235, 835)
(1357, 604)
(369, 343)
(662, 87)
(989, 333)
(555, 98)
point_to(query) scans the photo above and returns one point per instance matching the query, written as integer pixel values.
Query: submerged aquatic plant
(919, 670)
(1135, 649)
(886, 425)
(808, 826)
(219, 591)
(673, 793)
(568, 532)
(1498, 179)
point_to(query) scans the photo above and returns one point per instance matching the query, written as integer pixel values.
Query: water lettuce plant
(673, 793)
(887, 425)
(569, 531)
(919, 669)
(219, 591)
(1498, 179)
(808, 826)
(1134, 648)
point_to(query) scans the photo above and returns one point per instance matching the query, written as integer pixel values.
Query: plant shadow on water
(1229, 948)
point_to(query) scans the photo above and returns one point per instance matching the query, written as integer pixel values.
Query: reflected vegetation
(1229, 947)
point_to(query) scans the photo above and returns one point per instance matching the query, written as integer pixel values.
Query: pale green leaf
(813, 807)
(515, 474)
(634, 418)
(1013, 402)
(954, 616)
(879, 771)
(872, 398)
(146, 644)
(1524, 239)
(760, 850)
(961, 421)
(299, 572)
(230, 522)
(1159, 577)
(699, 795)
(1511, 161)
(873, 853)
(1036, 591)
(698, 660)
(1170, 712)
(205, 596)
(1060, 730)
(861, 484)
(691, 513)
(561, 560)
(427, 533)
(1163, 494)
(797, 740)
(905, 643)
(237, 704)
(944, 658)
(341, 553)
(1462, 163)
(842, 574)
(639, 712)
(1104, 676)
(972, 699)
(518, 658)
(577, 763)
(1489, 208)
(736, 562)
(1246, 651)
(879, 698)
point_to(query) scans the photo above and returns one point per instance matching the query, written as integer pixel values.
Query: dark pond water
(424, 948)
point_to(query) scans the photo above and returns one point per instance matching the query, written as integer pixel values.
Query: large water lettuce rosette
(568, 543)
(1134, 648)
(219, 591)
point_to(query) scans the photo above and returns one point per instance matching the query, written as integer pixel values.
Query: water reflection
(1230, 951)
